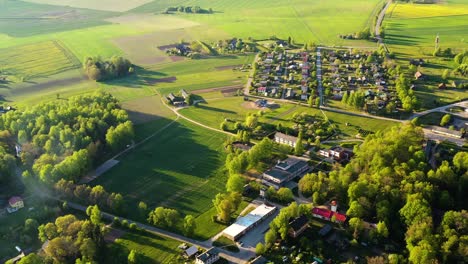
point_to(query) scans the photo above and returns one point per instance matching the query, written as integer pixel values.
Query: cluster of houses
(177, 100)
(283, 75)
(352, 71)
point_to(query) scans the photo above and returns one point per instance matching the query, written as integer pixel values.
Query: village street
(319, 75)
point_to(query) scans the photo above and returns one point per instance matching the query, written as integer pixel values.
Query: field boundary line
(68, 53)
(90, 178)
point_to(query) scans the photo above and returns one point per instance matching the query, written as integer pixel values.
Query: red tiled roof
(13, 200)
(340, 217)
(322, 212)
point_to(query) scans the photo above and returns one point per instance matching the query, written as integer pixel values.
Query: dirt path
(378, 25)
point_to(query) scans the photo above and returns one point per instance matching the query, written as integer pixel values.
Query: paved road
(378, 25)
(319, 75)
(440, 109)
(251, 76)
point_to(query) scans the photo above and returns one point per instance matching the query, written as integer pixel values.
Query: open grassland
(181, 168)
(22, 19)
(215, 111)
(155, 249)
(108, 5)
(32, 61)
(410, 32)
(302, 20)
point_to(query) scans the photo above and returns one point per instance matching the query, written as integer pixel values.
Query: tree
(94, 214)
(235, 183)
(260, 249)
(163, 217)
(270, 238)
(143, 208)
(299, 148)
(134, 257)
(382, 229)
(445, 120)
(189, 225)
(30, 226)
(285, 194)
(445, 74)
(31, 259)
(317, 102)
(226, 204)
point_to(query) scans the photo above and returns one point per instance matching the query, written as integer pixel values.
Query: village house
(418, 75)
(328, 215)
(337, 153)
(285, 171)
(208, 257)
(14, 204)
(284, 139)
(298, 226)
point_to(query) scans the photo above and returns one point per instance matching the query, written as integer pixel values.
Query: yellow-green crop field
(35, 60)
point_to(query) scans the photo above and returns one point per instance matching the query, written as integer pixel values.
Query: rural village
(233, 132)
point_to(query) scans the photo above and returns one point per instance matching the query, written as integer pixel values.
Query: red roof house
(322, 213)
(340, 218)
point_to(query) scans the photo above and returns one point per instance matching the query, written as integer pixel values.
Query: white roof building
(246, 223)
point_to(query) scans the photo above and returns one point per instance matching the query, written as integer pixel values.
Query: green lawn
(181, 168)
(155, 249)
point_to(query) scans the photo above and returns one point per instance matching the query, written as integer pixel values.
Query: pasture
(42, 59)
(181, 168)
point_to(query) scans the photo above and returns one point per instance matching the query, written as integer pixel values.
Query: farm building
(284, 171)
(246, 223)
(175, 100)
(184, 93)
(189, 252)
(208, 257)
(285, 139)
(14, 204)
(418, 75)
(298, 226)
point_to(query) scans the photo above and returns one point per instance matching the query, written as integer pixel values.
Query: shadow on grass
(142, 77)
(219, 110)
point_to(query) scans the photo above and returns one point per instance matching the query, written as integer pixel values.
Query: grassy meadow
(181, 168)
(410, 32)
(155, 249)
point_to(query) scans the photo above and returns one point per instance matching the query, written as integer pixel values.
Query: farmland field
(410, 32)
(181, 168)
(109, 5)
(38, 60)
(302, 20)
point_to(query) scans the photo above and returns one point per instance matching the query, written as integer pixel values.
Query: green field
(181, 168)
(155, 249)
(410, 32)
(302, 20)
(33, 61)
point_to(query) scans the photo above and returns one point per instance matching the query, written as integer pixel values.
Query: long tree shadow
(219, 110)
(141, 78)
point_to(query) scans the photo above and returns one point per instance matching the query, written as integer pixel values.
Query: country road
(380, 19)
(240, 257)
(319, 75)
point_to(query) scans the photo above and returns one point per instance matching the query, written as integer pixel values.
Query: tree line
(188, 9)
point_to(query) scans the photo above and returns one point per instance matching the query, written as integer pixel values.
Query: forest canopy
(60, 140)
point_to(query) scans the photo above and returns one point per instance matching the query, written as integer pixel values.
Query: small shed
(191, 251)
(442, 86)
